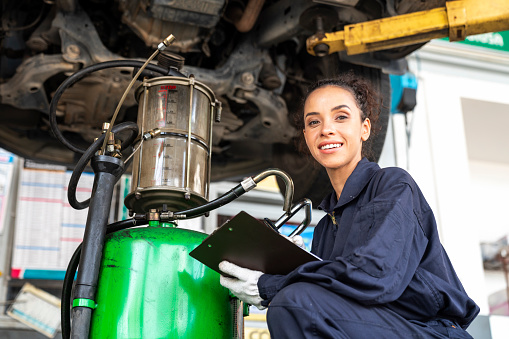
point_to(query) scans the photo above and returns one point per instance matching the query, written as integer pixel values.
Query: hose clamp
(248, 184)
(82, 302)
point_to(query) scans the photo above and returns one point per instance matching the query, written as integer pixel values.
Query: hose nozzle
(166, 42)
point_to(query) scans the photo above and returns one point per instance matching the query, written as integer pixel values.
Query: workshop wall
(462, 110)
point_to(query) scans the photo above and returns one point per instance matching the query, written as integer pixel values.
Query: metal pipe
(246, 22)
(161, 47)
(305, 223)
(189, 135)
(288, 185)
(142, 129)
(245, 186)
(209, 149)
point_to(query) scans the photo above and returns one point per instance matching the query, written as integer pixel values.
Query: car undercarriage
(251, 53)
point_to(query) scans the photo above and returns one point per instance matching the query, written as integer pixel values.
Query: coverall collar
(355, 183)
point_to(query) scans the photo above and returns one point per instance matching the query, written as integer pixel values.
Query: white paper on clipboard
(37, 309)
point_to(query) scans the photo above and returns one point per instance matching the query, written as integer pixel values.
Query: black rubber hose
(89, 153)
(80, 75)
(226, 198)
(65, 310)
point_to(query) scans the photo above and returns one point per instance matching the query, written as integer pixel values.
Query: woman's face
(333, 128)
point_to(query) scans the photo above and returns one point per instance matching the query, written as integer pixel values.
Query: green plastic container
(149, 287)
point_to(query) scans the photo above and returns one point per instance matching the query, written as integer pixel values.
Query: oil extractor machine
(140, 282)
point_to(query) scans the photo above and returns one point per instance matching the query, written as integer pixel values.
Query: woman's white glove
(297, 240)
(243, 283)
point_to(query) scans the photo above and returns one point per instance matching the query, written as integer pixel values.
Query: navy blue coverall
(384, 272)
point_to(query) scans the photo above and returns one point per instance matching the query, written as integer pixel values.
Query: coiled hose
(71, 80)
(89, 153)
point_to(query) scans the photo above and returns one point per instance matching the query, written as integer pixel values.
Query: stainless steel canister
(173, 168)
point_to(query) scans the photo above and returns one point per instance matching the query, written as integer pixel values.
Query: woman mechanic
(384, 272)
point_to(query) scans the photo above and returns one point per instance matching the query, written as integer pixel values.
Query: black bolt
(321, 50)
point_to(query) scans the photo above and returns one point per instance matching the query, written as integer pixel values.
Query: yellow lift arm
(456, 20)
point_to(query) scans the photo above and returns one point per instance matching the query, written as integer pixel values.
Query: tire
(310, 179)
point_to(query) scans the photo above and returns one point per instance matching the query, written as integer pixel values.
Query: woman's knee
(314, 298)
(300, 294)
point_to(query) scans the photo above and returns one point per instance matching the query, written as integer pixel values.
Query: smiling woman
(358, 95)
(384, 272)
(334, 130)
(373, 94)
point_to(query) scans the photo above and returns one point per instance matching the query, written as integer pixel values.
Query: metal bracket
(457, 16)
(304, 224)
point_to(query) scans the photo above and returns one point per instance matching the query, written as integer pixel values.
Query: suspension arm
(457, 20)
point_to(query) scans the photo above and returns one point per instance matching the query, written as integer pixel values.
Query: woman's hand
(297, 240)
(243, 283)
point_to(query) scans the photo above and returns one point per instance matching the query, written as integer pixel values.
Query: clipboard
(248, 242)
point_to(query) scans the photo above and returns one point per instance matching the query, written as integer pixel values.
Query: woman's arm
(381, 265)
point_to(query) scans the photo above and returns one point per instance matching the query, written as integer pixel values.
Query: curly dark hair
(368, 101)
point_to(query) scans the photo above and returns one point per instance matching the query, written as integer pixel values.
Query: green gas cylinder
(149, 287)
